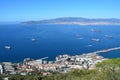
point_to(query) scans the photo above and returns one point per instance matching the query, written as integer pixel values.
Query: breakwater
(106, 50)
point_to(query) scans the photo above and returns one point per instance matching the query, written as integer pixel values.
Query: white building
(38, 61)
(1, 69)
(8, 67)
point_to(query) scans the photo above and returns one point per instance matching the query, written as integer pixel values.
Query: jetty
(107, 50)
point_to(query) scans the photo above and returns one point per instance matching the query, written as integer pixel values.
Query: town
(63, 64)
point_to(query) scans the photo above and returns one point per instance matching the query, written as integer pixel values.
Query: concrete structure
(8, 68)
(38, 61)
(1, 69)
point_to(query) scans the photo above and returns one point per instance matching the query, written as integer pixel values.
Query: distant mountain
(77, 20)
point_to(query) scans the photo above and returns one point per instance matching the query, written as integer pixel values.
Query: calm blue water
(52, 40)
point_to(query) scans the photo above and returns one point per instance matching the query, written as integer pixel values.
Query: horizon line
(53, 18)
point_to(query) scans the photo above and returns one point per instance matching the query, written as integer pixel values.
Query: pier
(107, 50)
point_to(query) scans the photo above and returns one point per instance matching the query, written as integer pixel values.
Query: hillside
(106, 70)
(77, 20)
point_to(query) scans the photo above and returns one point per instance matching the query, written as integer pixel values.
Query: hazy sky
(22, 10)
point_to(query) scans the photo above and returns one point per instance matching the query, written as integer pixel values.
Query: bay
(53, 39)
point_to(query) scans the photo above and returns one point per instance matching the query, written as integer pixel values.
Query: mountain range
(77, 20)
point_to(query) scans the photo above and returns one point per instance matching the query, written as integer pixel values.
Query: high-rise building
(1, 69)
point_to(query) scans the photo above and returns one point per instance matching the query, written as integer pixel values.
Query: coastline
(62, 64)
(103, 51)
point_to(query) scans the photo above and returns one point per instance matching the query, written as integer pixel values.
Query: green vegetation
(106, 70)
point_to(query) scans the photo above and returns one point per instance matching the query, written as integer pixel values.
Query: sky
(25, 10)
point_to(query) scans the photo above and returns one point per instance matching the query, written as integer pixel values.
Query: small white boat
(89, 45)
(80, 38)
(94, 39)
(8, 47)
(78, 35)
(108, 36)
(33, 39)
(93, 30)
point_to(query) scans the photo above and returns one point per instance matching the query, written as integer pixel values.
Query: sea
(52, 40)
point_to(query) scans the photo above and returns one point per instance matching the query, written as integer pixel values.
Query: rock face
(77, 20)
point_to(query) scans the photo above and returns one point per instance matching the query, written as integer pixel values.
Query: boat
(95, 39)
(80, 38)
(8, 47)
(78, 35)
(33, 39)
(108, 36)
(93, 30)
(89, 45)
